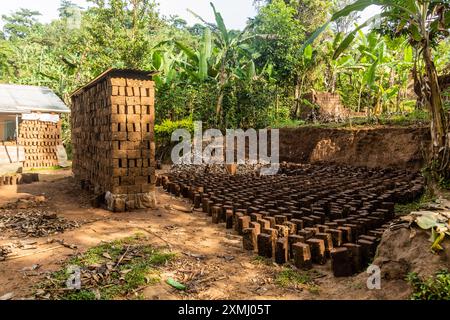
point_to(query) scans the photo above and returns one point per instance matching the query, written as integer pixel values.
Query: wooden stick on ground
(33, 253)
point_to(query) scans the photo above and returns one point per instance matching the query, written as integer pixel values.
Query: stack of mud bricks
(309, 215)
(40, 140)
(113, 138)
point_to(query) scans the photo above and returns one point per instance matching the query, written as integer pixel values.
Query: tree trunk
(222, 81)
(439, 125)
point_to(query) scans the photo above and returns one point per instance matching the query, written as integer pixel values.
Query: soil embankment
(396, 147)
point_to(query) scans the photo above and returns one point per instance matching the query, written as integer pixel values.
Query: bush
(434, 288)
(163, 134)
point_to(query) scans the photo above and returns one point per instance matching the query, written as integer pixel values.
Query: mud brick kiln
(113, 138)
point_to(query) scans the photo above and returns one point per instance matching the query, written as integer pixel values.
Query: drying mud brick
(265, 245)
(216, 211)
(256, 226)
(281, 251)
(317, 250)
(367, 251)
(336, 236)
(302, 256)
(293, 238)
(40, 140)
(346, 233)
(355, 256)
(282, 230)
(229, 219)
(113, 139)
(264, 223)
(326, 237)
(341, 263)
(318, 208)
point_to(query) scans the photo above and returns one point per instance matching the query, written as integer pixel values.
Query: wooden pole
(17, 137)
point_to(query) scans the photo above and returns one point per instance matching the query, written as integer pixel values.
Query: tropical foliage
(255, 77)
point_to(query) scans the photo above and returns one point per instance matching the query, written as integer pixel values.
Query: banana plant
(200, 60)
(168, 63)
(225, 59)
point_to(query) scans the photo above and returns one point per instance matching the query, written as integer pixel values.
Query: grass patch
(436, 287)
(416, 117)
(53, 168)
(109, 271)
(261, 260)
(289, 277)
(404, 209)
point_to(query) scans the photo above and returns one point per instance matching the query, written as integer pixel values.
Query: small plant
(437, 222)
(434, 288)
(108, 271)
(444, 183)
(53, 168)
(261, 260)
(289, 277)
(402, 209)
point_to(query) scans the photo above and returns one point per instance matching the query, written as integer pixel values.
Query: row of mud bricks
(19, 178)
(40, 141)
(308, 213)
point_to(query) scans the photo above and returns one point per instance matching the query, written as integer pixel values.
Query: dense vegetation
(254, 77)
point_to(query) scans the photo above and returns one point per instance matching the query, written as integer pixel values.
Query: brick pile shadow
(307, 213)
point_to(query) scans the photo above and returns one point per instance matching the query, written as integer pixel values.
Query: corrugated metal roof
(24, 99)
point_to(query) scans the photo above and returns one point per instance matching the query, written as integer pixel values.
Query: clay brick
(341, 263)
(265, 245)
(302, 256)
(281, 251)
(243, 222)
(336, 236)
(249, 239)
(355, 256)
(293, 238)
(317, 250)
(326, 237)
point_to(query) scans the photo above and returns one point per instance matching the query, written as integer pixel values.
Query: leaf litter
(112, 270)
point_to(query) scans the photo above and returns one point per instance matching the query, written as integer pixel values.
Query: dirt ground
(207, 255)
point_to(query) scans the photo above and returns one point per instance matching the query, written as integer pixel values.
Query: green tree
(19, 23)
